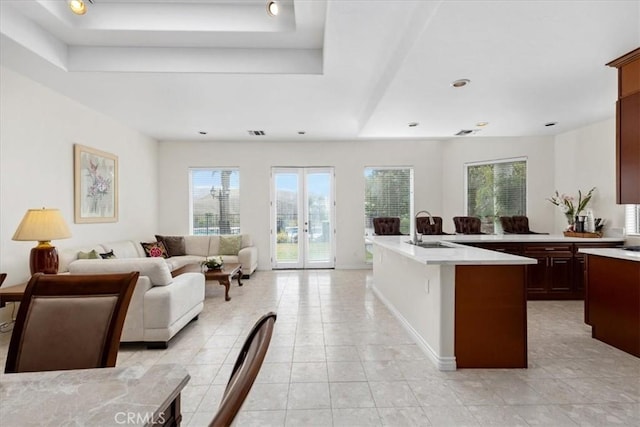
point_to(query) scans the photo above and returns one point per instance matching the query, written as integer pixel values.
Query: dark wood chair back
(467, 225)
(2, 277)
(386, 226)
(517, 224)
(423, 226)
(245, 370)
(507, 225)
(70, 322)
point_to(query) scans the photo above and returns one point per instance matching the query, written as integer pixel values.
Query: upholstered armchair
(424, 227)
(386, 226)
(467, 225)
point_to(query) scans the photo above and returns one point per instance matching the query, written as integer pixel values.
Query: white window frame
(632, 220)
(493, 162)
(211, 169)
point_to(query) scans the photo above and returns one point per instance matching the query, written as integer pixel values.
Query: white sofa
(161, 305)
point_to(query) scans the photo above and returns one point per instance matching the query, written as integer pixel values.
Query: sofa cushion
(125, 249)
(198, 245)
(67, 255)
(107, 255)
(156, 269)
(154, 249)
(176, 262)
(165, 305)
(230, 245)
(173, 244)
(93, 254)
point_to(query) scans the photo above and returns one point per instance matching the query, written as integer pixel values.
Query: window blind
(496, 189)
(632, 219)
(215, 201)
(388, 193)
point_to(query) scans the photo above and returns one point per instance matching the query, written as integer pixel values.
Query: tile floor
(339, 358)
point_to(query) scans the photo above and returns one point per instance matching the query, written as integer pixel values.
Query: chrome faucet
(415, 225)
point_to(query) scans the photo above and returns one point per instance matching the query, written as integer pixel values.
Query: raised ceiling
(338, 70)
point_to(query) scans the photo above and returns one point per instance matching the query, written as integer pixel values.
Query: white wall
(540, 159)
(585, 158)
(37, 132)
(255, 160)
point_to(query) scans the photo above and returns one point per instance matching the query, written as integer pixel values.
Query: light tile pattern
(338, 357)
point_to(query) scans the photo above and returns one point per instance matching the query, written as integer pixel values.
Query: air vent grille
(256, 132)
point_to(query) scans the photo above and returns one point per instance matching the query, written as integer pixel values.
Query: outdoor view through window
(496, 189)
(215, 201)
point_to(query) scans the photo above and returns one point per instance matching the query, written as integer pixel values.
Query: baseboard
(442, 363)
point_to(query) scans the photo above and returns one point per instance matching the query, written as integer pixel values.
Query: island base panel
(490, 316)
(613, 303)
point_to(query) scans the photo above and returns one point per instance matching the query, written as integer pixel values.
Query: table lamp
(42, 225)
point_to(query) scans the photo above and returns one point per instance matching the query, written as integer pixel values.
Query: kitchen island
(464, 306)
(612, 302)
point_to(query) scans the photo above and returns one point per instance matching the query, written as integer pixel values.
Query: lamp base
(43, 259)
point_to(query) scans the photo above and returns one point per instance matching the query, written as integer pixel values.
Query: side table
(11, 294)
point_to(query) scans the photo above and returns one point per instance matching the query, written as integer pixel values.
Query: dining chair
(2, 277)
(70, 322)
(386, 226)
(517, 224)
(245, 370)
(467, 225)
(423, 226)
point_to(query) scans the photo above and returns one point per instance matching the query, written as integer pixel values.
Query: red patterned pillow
(154, 249)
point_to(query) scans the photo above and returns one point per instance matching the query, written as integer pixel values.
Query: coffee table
(223, 276)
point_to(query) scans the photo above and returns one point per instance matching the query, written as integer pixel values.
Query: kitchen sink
(430, 245)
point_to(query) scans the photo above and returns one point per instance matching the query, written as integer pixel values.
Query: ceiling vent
(256, 132)
(464, 132)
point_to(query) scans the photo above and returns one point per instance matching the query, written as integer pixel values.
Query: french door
(302, 218)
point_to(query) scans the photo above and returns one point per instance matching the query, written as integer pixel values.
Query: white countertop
(455, 254)
(613, 253)
(522, 238)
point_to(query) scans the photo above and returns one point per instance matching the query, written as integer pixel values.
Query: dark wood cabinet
(559, 273)
(628, 128)
(613, 304)
(552, 277)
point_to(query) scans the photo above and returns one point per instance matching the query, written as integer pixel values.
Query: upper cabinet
(628, 127)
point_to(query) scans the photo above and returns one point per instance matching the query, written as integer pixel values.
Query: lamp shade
(42, 225)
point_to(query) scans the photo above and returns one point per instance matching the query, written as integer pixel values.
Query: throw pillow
(108, 255)
(88, 255)
(173, 244)
(154, 249)
(230, 245)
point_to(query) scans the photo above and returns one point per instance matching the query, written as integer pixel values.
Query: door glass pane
(287, 217)
(319, 213)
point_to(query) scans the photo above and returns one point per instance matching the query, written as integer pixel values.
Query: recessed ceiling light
(550, 124)
(272, 8)
(481, 124)
(202, 132)
(460, 82)
(78, 7)
(413, 124)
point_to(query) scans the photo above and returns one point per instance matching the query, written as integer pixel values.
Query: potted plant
(213, 263)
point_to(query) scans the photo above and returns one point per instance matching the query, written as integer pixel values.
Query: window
(388, 192)
(215, 201)
(496, 189)
(632, 219)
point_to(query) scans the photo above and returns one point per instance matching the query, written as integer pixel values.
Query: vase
(571, 220)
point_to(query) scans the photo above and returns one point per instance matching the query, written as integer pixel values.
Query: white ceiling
(337, 69)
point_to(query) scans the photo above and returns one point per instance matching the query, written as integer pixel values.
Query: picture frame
(95, 185)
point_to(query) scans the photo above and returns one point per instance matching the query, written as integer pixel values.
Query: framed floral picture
(96, 185)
